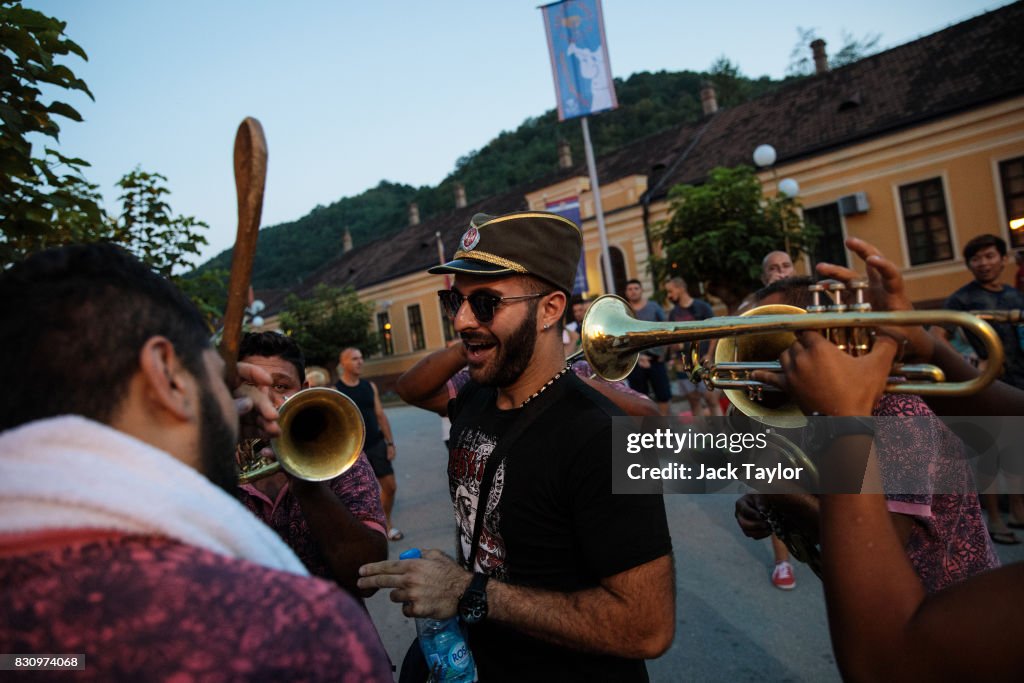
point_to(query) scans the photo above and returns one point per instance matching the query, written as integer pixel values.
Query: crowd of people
(126, 536)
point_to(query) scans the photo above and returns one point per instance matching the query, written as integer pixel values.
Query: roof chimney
(564, 154)
(820, 56)
(346, 242)
(414, 214)
(460, 196)
(708, 100)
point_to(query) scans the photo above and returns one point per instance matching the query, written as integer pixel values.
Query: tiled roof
(967, 65)
(974, 63)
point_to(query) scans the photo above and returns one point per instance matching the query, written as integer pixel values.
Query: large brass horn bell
(322, 434)
(744, 351)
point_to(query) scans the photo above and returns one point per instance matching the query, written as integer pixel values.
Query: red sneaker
(782, 576)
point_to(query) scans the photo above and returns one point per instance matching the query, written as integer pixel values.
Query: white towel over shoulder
(72, 473)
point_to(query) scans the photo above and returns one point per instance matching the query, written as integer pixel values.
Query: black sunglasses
(483, 305)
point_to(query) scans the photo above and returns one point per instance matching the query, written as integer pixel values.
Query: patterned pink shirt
(357, 489)
(949, 541)
(150, 608)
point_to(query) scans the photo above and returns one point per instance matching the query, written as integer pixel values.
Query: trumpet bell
(322, 434)
(608, 320)
(772, 408)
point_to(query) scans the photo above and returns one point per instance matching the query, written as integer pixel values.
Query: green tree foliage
(329, 321)
(44, 199)
(208, 291)
(165, 242)
(717, 233)
(148, 229)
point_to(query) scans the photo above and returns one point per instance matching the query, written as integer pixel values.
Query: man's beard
(216, 444)
(513, 356)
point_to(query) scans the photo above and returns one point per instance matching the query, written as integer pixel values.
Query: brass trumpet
(322, 434)
(612, 339)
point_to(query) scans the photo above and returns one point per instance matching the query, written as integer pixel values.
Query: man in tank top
(380, 444)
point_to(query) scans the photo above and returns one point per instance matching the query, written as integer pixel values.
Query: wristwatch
(473, 603)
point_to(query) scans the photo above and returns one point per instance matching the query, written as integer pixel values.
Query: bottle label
(458, 656)
(447, 654)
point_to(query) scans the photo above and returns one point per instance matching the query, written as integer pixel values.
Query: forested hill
(648, 102)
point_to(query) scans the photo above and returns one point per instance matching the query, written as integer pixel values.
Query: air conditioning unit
(852, 204)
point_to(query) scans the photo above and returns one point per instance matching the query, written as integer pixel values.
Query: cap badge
(470, 239)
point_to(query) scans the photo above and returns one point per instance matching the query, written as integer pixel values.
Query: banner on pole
(579, 58)
(570, 208)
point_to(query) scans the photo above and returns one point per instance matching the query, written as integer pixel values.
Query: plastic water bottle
(443, 644)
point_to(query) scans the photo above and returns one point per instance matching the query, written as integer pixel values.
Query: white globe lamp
(789, 187)
(764, 155)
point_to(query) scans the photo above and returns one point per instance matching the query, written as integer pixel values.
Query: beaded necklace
(544, 388)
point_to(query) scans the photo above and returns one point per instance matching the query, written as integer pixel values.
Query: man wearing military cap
(558, 578)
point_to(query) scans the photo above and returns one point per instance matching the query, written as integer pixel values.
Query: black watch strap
(473, 603)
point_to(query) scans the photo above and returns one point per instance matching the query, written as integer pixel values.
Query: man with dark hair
(333, 526)
(985, 256)
(557, 577)
(650, 372)
(380, 442)
(119, 540)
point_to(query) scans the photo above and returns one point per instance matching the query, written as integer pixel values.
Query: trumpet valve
(858, 287)
(835, 290)
(816, 289)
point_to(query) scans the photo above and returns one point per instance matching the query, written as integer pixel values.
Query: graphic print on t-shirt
(465, 472)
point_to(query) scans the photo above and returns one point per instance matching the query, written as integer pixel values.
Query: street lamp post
(764, 157)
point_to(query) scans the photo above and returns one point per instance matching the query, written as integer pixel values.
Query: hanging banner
(579, 58)
(570, 208)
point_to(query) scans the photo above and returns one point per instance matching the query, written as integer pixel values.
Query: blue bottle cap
(411, 554)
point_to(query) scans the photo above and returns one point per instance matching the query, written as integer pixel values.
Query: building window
(447, 324)
(1011, 175)
(925, 222)
(387, 343)
(830, 247)
(419, 342)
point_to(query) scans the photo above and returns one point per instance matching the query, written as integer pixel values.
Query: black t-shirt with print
(551, 520)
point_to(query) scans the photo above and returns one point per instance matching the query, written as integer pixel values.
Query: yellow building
(916, 149)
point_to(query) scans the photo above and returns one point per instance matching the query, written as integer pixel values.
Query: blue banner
(579, 58)
(570, 208)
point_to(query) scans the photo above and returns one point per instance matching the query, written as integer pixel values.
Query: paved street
(731, 623)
